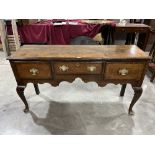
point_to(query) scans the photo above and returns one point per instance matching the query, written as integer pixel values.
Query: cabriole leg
(20, 92)
(137, 93)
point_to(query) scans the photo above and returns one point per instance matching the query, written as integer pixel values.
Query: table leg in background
(36, 89)
(123, 89)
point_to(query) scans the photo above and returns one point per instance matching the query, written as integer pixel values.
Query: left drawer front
(33, 70)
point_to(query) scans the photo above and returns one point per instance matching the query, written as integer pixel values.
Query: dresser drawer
(124, 71)
(78, 67)
(33, 70)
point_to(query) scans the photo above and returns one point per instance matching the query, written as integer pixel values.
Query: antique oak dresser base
(117, 64)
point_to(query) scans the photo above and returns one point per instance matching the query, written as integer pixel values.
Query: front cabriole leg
(137, 93)
(20, 92)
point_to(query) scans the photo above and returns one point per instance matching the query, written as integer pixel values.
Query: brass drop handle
(123, 71)
(63, 68)
(77, 65)
(91, 68)
(34, 71)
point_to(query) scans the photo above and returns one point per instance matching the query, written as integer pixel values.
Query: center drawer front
(78, 67)
(124, 71)
(33, 70)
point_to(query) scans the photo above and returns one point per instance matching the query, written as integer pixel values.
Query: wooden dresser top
(45, 52)
(133, 25)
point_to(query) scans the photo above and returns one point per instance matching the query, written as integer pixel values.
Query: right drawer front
(124, 71)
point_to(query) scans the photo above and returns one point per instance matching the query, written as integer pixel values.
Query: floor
(74, 108)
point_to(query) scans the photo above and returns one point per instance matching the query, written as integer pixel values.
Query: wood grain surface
(79, 52)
